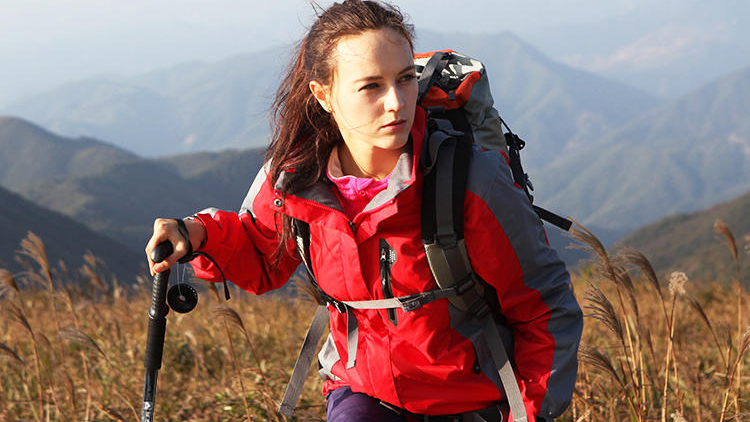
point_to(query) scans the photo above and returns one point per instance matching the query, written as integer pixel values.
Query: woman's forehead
(381, 51)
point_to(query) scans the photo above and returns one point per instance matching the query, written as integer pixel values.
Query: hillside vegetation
(689, 241)
(68, 241)
(651, 350)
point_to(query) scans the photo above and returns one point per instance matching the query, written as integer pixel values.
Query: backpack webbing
(446, 164)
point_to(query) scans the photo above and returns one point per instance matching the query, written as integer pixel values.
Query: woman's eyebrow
(376, 77)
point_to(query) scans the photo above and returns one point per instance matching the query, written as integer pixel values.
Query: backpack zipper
(387, 259)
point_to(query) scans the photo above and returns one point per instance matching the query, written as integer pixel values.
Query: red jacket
(423, 364)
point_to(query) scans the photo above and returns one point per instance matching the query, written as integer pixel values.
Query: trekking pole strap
(302, 366)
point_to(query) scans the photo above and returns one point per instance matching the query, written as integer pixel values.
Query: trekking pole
(157, 322)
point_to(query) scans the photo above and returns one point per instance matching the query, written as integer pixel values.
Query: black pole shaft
(155, 342)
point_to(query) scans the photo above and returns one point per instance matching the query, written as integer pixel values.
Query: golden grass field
(654, 348)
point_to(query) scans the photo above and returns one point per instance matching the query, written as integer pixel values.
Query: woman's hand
(166, 229)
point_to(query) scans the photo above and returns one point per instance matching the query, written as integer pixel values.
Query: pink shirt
(353, 192)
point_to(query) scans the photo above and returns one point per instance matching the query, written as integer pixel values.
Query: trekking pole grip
(159, 309)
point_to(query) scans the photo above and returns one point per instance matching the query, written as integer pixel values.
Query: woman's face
(373, 92)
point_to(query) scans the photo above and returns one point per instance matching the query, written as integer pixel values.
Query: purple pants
(345, 406)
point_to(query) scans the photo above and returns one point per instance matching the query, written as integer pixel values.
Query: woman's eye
(369, 86)
(408, 77)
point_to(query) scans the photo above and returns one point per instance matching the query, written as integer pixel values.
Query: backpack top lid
(460, 82)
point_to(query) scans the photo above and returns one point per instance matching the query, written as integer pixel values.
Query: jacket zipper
(387, 259)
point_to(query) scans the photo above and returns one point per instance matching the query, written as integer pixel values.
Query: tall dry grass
(655, 347)
(74, 351)
(658, 348)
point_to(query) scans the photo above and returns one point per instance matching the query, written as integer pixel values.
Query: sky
(44, 43)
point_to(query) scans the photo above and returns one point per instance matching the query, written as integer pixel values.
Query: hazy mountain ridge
(683, 156)
(667, 49)
(110, 190)
(214, 106)
(123, 200)
(30, 153)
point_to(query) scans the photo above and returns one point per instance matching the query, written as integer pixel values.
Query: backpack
(454, 89)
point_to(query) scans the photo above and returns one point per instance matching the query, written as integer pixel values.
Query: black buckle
(416, 301)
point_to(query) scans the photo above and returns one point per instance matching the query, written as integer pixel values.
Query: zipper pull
(387, 258)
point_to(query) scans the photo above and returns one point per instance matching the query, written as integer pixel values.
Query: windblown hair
(304, 134)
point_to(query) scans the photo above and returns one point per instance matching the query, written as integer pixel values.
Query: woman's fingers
(165, 229)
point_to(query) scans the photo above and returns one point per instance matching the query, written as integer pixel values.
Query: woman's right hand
(166, 229)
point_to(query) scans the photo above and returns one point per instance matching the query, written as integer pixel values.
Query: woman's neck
(374, 163)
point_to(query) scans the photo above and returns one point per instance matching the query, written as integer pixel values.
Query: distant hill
(64, 239)
(214, 106)
(688, 242)
(30, 154)
(683, 156)
(666, 49)
(123, 200)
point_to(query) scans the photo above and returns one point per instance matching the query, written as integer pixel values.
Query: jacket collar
(404, 175)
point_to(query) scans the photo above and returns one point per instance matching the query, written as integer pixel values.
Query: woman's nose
(393, 99)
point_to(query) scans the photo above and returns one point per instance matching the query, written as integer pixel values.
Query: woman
(344, 158)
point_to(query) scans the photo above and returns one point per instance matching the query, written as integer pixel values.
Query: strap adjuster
(465, 284)
(416, 301)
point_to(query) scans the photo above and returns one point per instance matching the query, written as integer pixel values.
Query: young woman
(344, 158)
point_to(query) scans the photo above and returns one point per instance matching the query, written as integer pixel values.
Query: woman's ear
(322, 94)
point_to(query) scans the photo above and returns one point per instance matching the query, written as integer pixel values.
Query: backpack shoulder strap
(314, 333)
(444, 190)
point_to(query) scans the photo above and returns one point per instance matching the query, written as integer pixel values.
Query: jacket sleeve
(532, 283)
(244, 244)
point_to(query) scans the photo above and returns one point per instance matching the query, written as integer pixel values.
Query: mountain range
(214, 106)
(685, 155)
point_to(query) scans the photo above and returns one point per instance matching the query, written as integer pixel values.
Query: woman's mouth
(395, 125)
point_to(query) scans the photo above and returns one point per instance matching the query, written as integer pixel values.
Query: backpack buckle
(413, 302)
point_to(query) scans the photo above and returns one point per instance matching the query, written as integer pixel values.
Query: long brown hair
(304, 134)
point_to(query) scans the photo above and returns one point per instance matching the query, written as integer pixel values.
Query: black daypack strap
(516, 144)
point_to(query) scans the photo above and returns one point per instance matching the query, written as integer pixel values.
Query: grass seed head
(7, 279)
(75, 335)
(10, 353)
(677, 282)
(721, 228)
